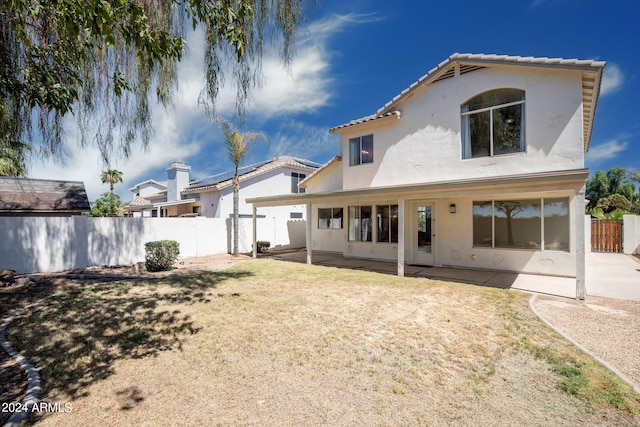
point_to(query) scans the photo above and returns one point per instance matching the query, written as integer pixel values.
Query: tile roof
(219, 181)
(468, 62)
(39, 195)
(137, 202)
(396, 114)
(322, 168)
(162, 184)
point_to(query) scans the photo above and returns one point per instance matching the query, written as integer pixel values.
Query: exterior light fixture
(452, 208)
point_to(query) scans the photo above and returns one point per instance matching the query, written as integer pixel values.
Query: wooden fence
(606, 235)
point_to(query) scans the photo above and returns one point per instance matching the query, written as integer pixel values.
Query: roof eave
(594, 107)
(320, 170)
(446, 188)
(499, 60)
(353, 125)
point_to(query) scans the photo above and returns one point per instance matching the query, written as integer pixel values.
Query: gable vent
(464, 69)
(447, 74)
(451, 71)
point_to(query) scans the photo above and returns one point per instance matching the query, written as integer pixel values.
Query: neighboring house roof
(147, 202)
(42, 196)
(148, 182)
(138, 202)
(321, 169)
(463, 63)
(222, 180)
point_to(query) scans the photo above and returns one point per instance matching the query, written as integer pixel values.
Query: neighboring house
(280, 175)
(212, 197)
(147, 194)
(478, 164)
(41, 197)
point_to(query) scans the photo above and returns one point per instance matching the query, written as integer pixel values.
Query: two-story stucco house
(478, 164)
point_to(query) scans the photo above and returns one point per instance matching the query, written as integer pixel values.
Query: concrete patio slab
(546, 285)
(460, 275)
(608, 275)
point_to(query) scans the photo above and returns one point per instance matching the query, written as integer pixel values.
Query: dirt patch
(33, 287)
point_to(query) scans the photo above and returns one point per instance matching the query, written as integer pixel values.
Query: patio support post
(401, 234)
(309, 237)
(255, 232)
(581, 287)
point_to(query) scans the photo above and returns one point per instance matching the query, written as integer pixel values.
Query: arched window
(493, 123)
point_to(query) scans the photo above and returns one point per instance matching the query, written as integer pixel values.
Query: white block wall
(631, 234)
(45, 244)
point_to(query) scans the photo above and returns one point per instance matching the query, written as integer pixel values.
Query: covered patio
(435, 228)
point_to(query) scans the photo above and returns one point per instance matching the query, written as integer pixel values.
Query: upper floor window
(296, 178)
(361, 150)
(493, 123)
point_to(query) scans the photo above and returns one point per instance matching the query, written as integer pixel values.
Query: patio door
(423, 234)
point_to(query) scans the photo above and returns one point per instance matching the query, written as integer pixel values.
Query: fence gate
(606, 235)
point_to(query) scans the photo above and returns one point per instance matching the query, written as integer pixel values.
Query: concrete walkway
(608, 275)
(613, 276)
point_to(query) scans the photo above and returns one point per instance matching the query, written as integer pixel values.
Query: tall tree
(101, 60)
(111, 177)
(611, 191)
(597, 188)
(237, 144)
(107, 205)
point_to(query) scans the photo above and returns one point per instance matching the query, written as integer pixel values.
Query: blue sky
(353, 57)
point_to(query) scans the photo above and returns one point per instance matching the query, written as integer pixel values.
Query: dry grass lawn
(276, 343)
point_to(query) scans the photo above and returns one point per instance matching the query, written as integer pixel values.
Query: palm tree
(111, 176)
(237, 144)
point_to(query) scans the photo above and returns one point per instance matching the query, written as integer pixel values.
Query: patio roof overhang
(539, 181)
(175, 203)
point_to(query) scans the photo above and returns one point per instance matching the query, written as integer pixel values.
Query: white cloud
(612, 79)
(605, 151)
(303, 86)
(320, 30)
(301, 140)
(183, 130)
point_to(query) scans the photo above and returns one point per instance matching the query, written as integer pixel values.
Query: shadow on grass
(74, 339)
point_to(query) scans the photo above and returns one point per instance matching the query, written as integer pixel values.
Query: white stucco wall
(42, 244)
(453, 241)
(220, 205)
(631, 234)
(270, 184)
(149, 189)
(425, 144)
(329, 179)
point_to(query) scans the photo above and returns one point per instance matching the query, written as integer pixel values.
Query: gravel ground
(609, 328)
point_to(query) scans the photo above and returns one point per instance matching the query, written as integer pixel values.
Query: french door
(423, 231)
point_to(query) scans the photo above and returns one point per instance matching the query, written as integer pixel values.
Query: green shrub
(263, 246)
(161, 254)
